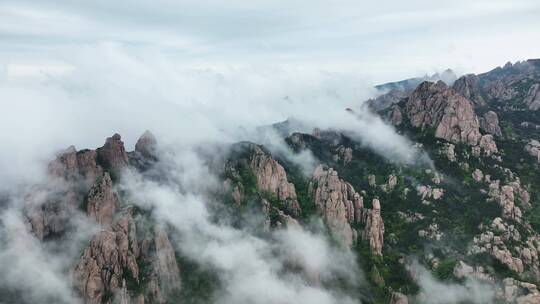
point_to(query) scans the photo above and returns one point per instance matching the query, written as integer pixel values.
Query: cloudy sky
(382, 40)
(75, 72)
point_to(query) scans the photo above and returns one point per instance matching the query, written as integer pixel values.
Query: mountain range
(458, 224)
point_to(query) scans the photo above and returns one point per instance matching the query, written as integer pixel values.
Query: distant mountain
(448, 76)
(393, 92)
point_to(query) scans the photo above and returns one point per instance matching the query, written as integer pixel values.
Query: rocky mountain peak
(271, 177)
(146, 145)
(467, 86)
(435, 105)
(342, 207)
(113, 154)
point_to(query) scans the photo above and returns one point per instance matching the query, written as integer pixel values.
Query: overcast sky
(382, 40)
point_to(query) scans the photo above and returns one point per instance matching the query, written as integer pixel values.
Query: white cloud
(251, 268)
(433, 291)
(110, 88)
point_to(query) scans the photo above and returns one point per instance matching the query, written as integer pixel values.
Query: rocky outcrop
(340, 206)
(478, 175)
(335, 199)
(398, 298)
(533, 148)
(272, 178)
(71, 164)
(343, 154)
(505, 197)
(464, 271)
(427, 192)
(374, 229)
(107, 261)
(276, 218)
(396, 117)
(468, 88)
(515, 291)
(165, 265)
(102, 201)
(488, 145)
(435, 105)
(114, 256)
(504, 242)
(146, 145)
(533, 97)
(489, 122)
(113, 155)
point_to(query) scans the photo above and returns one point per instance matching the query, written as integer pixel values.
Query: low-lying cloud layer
(252, 269)
(112, 90)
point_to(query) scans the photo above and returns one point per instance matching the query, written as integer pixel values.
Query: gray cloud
(383, 39)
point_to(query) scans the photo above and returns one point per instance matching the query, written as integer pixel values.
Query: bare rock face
(344, 154)
(533, 97)
(396, 117)
(271, 177)
(507, 202)
(110, 257)
(489, 122)
(488, 145)
(114, 255)
(102, 201)
(341, 206)
(392, 182)
(334, 198)
(113, 154)
(533, 148)
(374, 230)
(467, 87)
(520, 292)
(435, 105)
(504, 242)
(71, 164)
(165, 264)
(146, 145)
(523, 194)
